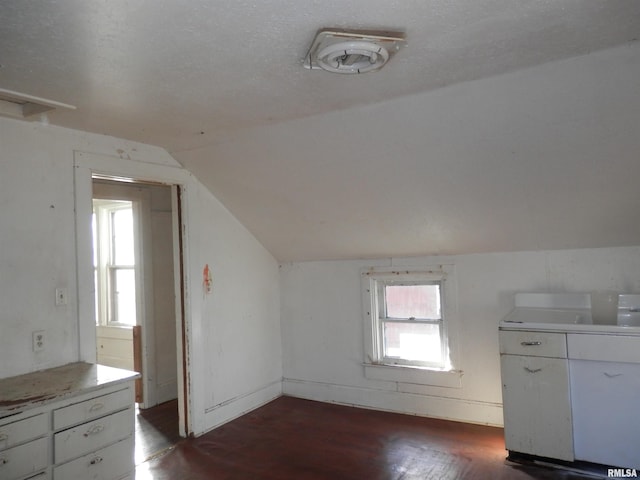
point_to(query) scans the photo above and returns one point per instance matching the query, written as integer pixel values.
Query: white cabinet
(605, 397)
(536, 398)
(571, 387)
(67, 423)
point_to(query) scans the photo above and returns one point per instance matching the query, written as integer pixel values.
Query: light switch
(61, 296)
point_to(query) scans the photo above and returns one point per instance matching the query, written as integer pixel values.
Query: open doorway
(135, 304)
(121, 173)
(134, 280)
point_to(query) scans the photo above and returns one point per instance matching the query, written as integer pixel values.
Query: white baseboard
(469, 411)
(234, 407)
(166, 391)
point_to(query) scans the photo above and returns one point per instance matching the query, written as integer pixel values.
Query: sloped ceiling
(504, 125)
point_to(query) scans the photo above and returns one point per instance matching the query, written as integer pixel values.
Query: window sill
(416, 375)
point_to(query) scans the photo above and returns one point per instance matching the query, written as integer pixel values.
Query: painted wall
(235, 331)
(322, 324)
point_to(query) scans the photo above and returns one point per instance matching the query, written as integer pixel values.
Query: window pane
(417, 301)
(122, 225)
(96, 296)
(417, 342)
(125, 296)
(94, 232)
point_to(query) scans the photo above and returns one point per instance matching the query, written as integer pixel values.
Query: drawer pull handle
(533, 370)
(612, 375)
(530, 344)
(3, 461)
(93, 430)
(96, 461)
(96, 406)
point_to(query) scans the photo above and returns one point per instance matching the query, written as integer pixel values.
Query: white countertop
(38, 388)
(561, 320)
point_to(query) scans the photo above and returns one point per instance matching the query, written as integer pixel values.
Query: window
(410, 325)
(114, 262)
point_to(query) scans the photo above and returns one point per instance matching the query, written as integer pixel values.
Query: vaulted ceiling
(503, 125)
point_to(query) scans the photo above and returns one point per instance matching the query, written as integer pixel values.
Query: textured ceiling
(192, 76)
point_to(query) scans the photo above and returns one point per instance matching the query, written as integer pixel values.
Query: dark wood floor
(156, 430)
(299, 439)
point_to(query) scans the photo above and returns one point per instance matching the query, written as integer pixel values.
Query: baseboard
(232, 408)
(469, 411)
(166, 391)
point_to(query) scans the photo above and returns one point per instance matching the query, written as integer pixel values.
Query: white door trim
(86, 165)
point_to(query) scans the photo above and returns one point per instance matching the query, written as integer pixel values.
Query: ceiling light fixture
(19, 105)
(352, 52)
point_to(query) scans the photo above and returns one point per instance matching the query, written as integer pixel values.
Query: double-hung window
(114, 262)
(410, 324)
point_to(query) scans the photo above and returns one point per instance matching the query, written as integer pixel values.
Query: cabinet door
(605, 404)
(537, 406)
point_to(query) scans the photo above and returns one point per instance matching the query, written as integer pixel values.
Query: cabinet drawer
(19, 461)
(93, 408)
(110, 463)
(604, 348)
(538, 344)
(22, 431)
(91, 436)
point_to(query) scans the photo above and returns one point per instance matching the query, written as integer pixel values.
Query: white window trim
(141, 201)
(374, 366)
(103, 211)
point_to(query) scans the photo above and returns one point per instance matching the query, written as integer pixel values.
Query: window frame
(384, 318)
(379, 367)
(106, 268)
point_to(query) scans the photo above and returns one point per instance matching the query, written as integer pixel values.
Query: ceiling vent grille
(352, 52)
(26, 107)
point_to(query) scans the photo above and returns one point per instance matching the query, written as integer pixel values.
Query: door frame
(140, 198)
(86, 167)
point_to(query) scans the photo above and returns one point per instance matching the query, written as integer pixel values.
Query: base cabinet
(537, 413)
(85, 433)
(572, 396)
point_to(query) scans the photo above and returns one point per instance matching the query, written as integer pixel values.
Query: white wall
(235, 351)
(322, 324)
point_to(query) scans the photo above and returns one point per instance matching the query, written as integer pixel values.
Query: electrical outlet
(61, 296)
(38, 339)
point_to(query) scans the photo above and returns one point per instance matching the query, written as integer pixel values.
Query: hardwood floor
(156, 430)
(291, 438)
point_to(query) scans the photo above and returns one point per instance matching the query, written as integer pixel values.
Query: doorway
(134, 285)
(89, 167)
(135, 304)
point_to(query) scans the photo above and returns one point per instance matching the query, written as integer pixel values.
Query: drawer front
(92, 436)
(110, 463)
(22, 431)
(19, 461)
(604, 348)
(90, 409)
(537, 344)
